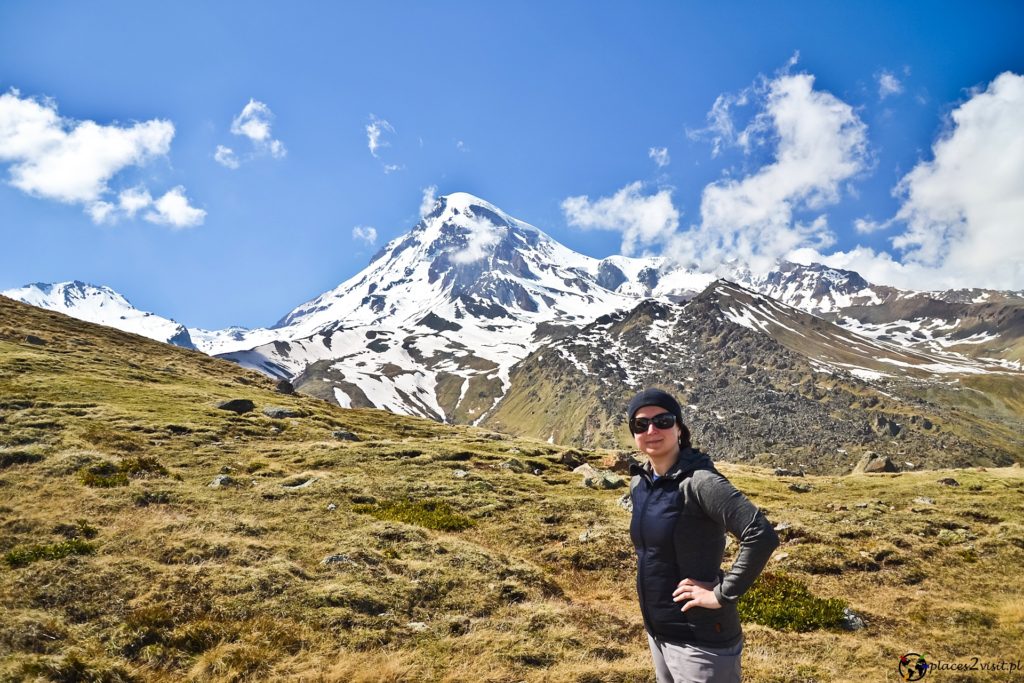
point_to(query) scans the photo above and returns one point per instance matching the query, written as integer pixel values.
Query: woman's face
(657, 443)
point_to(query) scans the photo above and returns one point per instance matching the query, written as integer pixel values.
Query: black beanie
(662, 399)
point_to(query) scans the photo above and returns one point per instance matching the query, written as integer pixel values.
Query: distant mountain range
(476, 317)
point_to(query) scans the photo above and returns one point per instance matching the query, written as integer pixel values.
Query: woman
(682, 508)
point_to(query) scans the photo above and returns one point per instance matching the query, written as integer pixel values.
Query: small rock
(783, 472)
(298, 483)
(873, 463)
(337, 559)
(948, 481)
(514, 465)
(782, 526)
(779, 557)
(620, 462)
(604, 481)
(342, 435)
(851, 620)
(332, 507)
(626, 502)
(279, 413)
(284, 387)
(237, 405)
(221, 481)
(34, 340)
(227, 469)
(801, 488)
(587, 471)
(921, 500)
(460, 474)
(416, 626)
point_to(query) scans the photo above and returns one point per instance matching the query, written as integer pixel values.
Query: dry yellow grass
(260, 580)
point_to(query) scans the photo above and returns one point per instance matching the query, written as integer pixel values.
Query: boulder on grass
(237, 405)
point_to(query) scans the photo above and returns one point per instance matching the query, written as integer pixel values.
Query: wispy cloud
(429, 200)
(819, 143)
(392, 168)
(644, 220)
(365, 233)
(375, 129)
(225, 156)
(72, 161)
(483, 234)
(888, 84)
(254, 123)
(660, 156)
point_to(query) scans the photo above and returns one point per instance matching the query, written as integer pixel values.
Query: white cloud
(964, 209)
(820, 143)
(461, 146)
(71, 161)
(483, 235)
(429, 200)
(643, 220)
(866, 226)
(134, 200)
(660, 156)
(173, 209)
(888, 84)
(225, 156)
(374, 129)
(365, 233)
(255, 123)
(391, 168)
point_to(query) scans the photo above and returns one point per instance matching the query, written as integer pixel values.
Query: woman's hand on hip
(698, 594)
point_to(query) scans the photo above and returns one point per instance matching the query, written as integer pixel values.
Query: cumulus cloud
(173, 209)
(53, 157)
(429, 200)
(643, 220)
(71, 161)
(819, 143)
(660, 156)
(374, 130)
(888, 84)
(365, 233)
(964, 209)
(225, 156)
(483, 234)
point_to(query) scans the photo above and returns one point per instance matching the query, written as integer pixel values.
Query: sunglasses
(639, 425)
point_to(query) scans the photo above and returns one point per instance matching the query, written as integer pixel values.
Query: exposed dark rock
(237, 405)
(34, 340)
(343, 435)
(283, 386)
(948, 481)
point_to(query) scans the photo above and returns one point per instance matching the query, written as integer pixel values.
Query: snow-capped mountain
(102, 305)
(434, 323)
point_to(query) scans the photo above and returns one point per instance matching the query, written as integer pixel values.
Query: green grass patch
(783, 603)
(26, 555)
(432, 514)
(108, 475)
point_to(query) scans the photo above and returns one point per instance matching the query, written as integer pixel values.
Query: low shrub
(26, 555)
(783, 603)
(432, 514)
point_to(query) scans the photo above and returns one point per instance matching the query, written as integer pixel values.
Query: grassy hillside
(417, 551)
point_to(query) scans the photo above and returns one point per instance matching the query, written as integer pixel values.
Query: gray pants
(689, 663)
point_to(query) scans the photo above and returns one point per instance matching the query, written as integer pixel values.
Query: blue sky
(705, 132)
